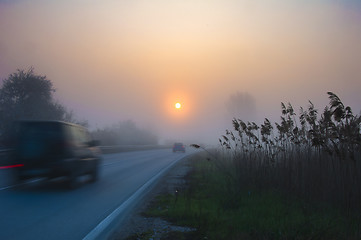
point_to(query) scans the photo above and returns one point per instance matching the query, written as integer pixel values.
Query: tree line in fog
(25, 95)
(125, 133)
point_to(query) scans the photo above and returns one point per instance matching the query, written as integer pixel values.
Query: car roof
(50, 121)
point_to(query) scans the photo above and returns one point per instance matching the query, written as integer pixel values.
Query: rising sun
(178, 105)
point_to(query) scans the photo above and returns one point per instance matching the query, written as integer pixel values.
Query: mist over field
(113, 61)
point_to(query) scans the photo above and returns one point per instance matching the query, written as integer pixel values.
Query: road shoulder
(136, 223)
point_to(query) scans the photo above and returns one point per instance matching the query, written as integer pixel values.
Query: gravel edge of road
(136, 223)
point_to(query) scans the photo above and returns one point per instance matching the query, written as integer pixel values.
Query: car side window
(80, 136)
(70, 136)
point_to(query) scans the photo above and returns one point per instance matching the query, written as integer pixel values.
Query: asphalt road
(47, 210)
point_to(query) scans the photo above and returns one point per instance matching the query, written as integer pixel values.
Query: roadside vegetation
(297, 179)
(125, 133)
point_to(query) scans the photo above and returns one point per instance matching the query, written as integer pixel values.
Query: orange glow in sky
(107, 58)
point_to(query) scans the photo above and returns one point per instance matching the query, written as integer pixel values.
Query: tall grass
(213, 206)
(317, 158)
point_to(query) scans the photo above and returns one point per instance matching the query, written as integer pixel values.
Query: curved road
(47, 210)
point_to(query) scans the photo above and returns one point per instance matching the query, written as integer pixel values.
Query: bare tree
(241, 105)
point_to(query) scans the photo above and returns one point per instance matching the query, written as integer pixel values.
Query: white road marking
(103, 225)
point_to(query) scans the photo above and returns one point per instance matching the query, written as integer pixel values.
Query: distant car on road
(178, 147)
(54, 149)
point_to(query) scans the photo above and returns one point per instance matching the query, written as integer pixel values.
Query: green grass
(209, 205)
(144, 235)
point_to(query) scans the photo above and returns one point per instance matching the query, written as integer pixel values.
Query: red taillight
(12, 166)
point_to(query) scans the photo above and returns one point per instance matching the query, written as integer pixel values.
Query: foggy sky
(116, 60)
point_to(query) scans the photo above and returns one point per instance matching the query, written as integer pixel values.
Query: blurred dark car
(54, 149)
(178, 147)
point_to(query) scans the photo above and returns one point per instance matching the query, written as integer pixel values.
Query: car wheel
(73, 181)
(17, 177)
